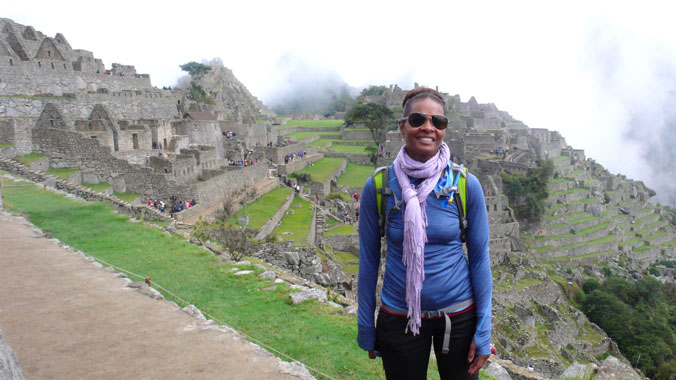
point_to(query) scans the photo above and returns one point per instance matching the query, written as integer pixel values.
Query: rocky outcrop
(9, 365)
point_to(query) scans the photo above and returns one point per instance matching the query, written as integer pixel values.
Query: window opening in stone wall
(52, 65)
(49, 53)
(11, 63)
(64, 66)
(93, 137)
(488, 208)
(165, 143)
(39, 64)
(495, 207)
(134, 137)
(51, 122)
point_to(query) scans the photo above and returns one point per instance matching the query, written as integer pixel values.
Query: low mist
(637, 90)
(298, 85)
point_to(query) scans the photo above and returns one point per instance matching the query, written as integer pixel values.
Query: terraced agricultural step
(587, 258)
(566, 239)
(580, 248)
(563, 218)
(559, 185)
(649, 229)
(660, 237)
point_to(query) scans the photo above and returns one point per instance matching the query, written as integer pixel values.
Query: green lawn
(63, 173)
(298, 223)
(263, 208)
(355, 175)
(322, 169)
(345, 229)
(5, 145)
(298, 136)
(330, 222)
(353, 149)
(30, 158)
(127, 197)
(99, 187)
(312, 124)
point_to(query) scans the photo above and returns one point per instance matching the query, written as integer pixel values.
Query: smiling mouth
(426, 139)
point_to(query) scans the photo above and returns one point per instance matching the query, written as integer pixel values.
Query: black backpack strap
(461, 215)
(384, 190)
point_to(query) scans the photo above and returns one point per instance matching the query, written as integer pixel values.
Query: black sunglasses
(416, 119)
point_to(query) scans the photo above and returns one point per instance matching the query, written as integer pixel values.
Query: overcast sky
(602, 73)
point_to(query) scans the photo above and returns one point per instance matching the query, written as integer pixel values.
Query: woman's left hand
(475, 362)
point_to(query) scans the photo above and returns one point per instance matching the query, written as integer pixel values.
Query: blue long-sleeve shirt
(449, 277)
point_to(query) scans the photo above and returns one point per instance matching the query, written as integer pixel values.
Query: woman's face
(423, 142)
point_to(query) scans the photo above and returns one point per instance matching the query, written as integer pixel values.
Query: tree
(196, 70)
(376, 117)
(235, 239)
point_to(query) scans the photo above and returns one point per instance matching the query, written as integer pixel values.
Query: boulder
(194, 312)
(296, 369)
(497, 371)
(578, 371)
(291, 258)
(307, 295)
(9, 365)
(613, 368)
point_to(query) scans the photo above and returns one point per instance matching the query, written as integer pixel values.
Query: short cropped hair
(421, 93)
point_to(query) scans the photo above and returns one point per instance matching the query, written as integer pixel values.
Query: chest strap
(436, 314)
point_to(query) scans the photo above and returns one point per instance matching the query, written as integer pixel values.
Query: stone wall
(122, 106)
(353, 134)
(278, 152)
(345, 243)
(17, 132)
(222, 187)
(296, 165)
(139, 212)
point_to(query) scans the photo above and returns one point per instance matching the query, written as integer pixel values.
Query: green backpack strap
(380, 179)
(460, 198)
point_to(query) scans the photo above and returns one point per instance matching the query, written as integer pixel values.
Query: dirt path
(67, 319)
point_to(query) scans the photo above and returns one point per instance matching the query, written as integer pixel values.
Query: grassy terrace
(353, 149)
(98, 187)
(642, 248)
(560, 205)
(561, 159)
(5, 145)
(325, 141)
(312, 124)
(670, 243)
(601, 240)
(345, 229)
(263, 208)
(583, 232)
(566, 192)
(585, 256)
(298, 136)
(29, 158)
(576, 221)
(322, 169)
(355, 175)
(649, 227)
(297, 225)
(574, 215)
(576, 173)
(310, 332)
(330, 222)
(127, 197)
(655, 235)
(63, 173)
(349, 261)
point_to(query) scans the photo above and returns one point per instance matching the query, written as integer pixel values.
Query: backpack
(380, 179)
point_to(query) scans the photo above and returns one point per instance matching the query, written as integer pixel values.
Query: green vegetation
(641, 318)
(355, 175)
(374, 90)
(330, 222)
(339, 195)
(296, 225)
(5, 145)
(263, 208)
(322, 169)
(298, 136)
(127, 197)
(310, 332)
(345, 229)
(560, 159)
(98, 187)
(376, 117)
(526, 193)
(30, 158)
(312, 124)
(63, 173)
(195, 69)
(352, 149)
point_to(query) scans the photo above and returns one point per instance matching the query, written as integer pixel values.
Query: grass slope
(298, 223)
(312, 124)
(355, 175)
(262, 209)
(322, 169)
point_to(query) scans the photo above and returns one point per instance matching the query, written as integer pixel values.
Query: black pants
(405, 357)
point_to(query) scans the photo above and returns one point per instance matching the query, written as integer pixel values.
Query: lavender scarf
(415, 221)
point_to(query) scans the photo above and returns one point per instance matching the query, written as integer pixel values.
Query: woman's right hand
(372, 354)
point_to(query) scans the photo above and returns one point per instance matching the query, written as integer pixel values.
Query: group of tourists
(176, 204)
(355, 196)
(293, 156)
(242, 162)
(500, 151)
(229, 134)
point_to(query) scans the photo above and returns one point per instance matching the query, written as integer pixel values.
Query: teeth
(425, 139)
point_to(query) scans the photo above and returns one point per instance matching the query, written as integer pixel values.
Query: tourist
(429, 288)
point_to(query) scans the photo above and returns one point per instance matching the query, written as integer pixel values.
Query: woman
(429, 286)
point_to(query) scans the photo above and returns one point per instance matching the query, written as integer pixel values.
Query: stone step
(566, 239)
(644, 221)
(583, 247)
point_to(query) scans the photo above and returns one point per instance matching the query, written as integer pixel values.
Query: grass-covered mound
(355, 175)
(322, 169)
